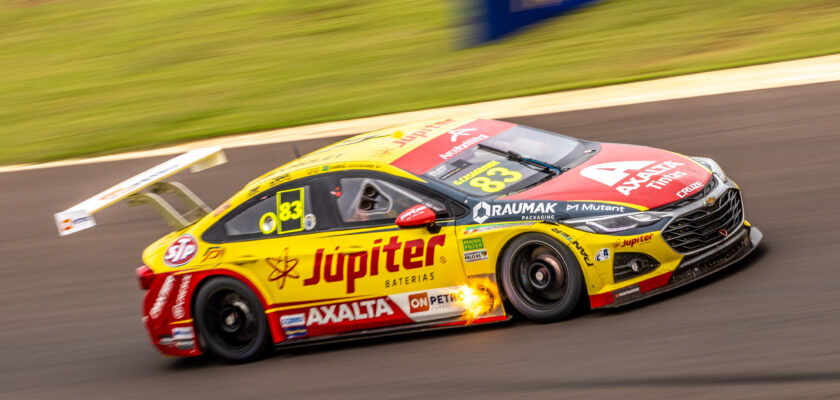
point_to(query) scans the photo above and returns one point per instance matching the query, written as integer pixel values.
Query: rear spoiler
(80, 216)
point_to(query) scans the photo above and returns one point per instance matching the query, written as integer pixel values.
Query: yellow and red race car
(433, 225)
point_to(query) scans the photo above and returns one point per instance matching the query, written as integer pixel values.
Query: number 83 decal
(489, 185)
(289, 215)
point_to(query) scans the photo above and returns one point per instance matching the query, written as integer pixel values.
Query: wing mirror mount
(417, 216)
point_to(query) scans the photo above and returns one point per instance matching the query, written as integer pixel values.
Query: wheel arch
(564, 245)
(207, 276)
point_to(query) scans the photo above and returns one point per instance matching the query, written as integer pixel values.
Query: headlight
(712, 166)
(614, 223)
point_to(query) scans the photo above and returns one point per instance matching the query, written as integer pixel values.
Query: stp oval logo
(181, 251)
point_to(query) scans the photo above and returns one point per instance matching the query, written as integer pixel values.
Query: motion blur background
(83, 77)
(89, 77)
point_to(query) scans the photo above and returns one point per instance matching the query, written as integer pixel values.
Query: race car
(433, 225)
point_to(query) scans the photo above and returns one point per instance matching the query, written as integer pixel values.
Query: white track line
(788, 73)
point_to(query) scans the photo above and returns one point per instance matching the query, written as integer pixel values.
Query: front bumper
(690, 269)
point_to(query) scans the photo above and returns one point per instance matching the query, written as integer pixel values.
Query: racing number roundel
(181, 251)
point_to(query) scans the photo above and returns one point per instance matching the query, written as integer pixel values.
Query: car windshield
(479, 172)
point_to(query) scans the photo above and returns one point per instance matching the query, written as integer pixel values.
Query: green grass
(87, 77)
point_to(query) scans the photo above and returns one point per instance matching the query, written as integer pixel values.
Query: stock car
(432, 225)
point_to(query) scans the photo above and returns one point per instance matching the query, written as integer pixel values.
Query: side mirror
(419, 215)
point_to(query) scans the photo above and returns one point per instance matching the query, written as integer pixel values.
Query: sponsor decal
(418, 302)
(688, 189)
(410, 279)
(213, 253)
(493, 227)
(488, 183)
(153, 174)
(614, 174)
(447, 170)
(348, 312)
(278, 179)
(181, 251)
(564, 235)
(476, 172)
(309, 222)
(473, 244)
(455, 133)
(423, 302)
(292, 320)
(627, 291)
(254, 190)
(69, 223)
(447, 145)
(527, 210)
(292, 333)
(602, 255)
(583, 253)
(162, 297)
(315, 170)
(178, 310)
(633, 241)
(340, 267)
(466, 144)
(475, 255)
(183, 333)
(414, 212)
(594, 207)
(182, 338)
(282, 267)
(422, 133)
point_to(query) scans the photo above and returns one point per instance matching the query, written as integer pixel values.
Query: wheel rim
(539, 275)
(231, 322)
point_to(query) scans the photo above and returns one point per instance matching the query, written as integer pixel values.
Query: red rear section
(638, 175)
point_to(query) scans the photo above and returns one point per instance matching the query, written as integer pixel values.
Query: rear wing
(80, 216)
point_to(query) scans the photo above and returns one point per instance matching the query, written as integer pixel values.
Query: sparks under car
(433, 225)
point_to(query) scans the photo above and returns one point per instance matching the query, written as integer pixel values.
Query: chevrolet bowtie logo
(710, 202)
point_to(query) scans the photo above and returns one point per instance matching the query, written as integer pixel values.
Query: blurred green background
(83, 77)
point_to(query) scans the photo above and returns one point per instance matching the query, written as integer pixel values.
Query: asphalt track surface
(767, 327)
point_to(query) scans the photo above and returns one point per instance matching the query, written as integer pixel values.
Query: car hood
(638, 176)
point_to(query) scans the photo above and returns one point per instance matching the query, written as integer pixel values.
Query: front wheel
(231, 321)
(541, 278)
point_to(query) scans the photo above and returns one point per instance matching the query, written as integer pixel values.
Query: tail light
(146, 276)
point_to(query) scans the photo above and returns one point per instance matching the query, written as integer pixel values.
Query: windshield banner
(450, 144)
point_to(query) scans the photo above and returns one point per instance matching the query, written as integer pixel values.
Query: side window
(272, 213)
(379, 201)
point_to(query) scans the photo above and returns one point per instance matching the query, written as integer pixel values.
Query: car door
(417, 269)
(273, 239)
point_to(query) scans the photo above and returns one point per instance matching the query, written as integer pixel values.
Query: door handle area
(245, 260)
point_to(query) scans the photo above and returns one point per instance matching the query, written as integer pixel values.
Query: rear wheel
(231, 321)
(541, 278)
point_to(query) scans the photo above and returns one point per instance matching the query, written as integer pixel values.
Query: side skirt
(389, 331)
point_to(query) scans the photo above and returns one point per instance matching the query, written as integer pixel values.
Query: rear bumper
(690, 269)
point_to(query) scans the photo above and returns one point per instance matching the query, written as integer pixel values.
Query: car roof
(381, 148)
(405, 151)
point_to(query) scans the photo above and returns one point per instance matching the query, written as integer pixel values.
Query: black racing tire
(540, 277)
(231, 321)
